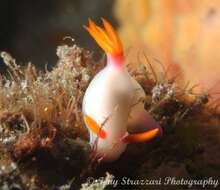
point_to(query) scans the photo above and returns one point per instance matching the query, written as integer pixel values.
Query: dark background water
(31, 30)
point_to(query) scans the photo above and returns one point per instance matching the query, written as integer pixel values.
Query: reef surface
(43, 144)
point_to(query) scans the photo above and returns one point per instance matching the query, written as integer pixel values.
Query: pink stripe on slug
(117, 60)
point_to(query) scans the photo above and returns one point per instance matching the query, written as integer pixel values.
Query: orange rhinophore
(106, 37)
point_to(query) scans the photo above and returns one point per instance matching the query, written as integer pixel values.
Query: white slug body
(108, 98)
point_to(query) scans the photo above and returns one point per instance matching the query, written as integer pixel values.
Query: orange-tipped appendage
(95, 128)
(141, 137)
(107, 38)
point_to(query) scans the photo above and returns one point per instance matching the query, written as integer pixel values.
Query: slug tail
(140, 137)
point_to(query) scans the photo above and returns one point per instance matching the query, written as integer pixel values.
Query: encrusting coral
(182, 34)
(41, 129)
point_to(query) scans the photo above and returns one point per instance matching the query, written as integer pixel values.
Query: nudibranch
(110, 101)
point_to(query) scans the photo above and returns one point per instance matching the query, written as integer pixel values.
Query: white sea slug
(108, 100)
